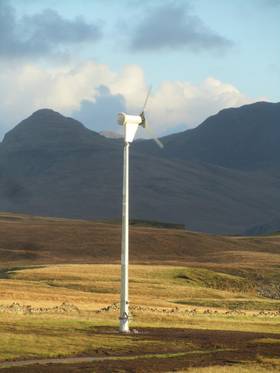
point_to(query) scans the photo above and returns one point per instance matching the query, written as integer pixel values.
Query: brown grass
(207, 284)
(28, 240)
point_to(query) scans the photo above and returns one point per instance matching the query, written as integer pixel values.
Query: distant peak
(111, 134)
(46, 127)
(252, 106)
(46, 112)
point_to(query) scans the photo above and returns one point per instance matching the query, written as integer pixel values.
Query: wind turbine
(130, 124)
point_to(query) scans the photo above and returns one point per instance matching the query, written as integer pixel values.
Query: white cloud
(181, 102)
(27, 88)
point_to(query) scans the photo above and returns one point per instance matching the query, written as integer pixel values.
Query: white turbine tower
(130, 124)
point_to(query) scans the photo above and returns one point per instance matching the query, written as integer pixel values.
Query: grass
(266, 341)
(26, 240)
(29, 337)
(156, 294)
(237, 368)
(180, 282)
(34, 336)
(213, 279)
(91, 286)
(253, 304)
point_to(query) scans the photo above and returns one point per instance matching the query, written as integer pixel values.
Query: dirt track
(210, 348)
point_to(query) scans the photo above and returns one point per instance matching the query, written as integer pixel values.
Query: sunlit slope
(34, 240)
(91, 286)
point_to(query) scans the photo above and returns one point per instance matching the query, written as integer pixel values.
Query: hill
(244, 138)
(29, 240)
(48, 129)
(206, 178)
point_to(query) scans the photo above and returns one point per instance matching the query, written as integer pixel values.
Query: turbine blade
(147, 97)
(159, 143)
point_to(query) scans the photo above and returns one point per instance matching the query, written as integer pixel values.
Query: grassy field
(161, 296)
(209, 303)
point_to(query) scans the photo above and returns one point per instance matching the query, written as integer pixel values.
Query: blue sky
(90, 58)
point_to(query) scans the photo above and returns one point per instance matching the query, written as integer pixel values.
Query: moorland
(199, 302)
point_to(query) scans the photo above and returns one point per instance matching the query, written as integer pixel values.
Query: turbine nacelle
(130, 124)
(124, 118)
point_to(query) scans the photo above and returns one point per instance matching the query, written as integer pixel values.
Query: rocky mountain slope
(221, 177)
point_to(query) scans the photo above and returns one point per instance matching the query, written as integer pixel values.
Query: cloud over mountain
(172, 26)
(41, 33)
(93, 93)
(101, 114)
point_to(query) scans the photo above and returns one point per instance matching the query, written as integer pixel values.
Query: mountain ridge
(46, 127)
(240, 138)
(74, 172)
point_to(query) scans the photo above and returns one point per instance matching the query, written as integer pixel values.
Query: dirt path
(213, 348)
(91, 359)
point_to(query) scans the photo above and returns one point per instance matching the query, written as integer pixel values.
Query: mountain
(48, 129)
(244, 138)
(111, 134)
(52, 165)
(270, 227)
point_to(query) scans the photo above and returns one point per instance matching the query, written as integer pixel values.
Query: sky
(90, 59)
